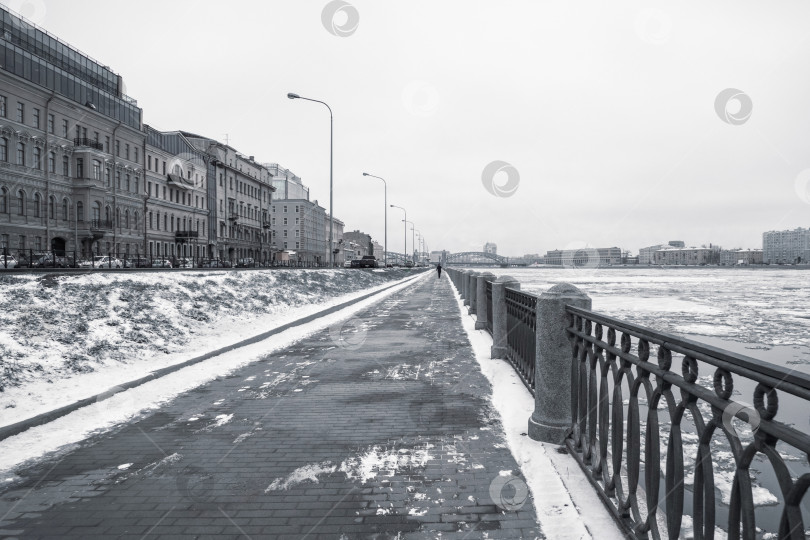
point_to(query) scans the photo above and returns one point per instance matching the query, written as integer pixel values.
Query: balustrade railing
(673, 453)
(521, 324)
(647, 450)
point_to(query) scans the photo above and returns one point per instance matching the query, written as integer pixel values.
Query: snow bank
(68, 337)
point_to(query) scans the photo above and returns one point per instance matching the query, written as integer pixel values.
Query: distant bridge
(479, 258)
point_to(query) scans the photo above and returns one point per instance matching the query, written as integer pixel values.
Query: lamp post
(405, 232)
(413, 242)
(385, 207)
(290, 95)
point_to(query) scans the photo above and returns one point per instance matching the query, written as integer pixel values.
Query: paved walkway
(380, 428)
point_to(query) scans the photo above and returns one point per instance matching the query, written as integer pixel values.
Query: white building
(786, 247)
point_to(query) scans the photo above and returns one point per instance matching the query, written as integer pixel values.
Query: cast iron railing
(710, 439)
(83, 141)
(488, 293)
(521, 316)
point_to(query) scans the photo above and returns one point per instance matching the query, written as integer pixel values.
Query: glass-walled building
(36, 56)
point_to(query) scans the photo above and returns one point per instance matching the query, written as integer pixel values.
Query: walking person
(439, 270)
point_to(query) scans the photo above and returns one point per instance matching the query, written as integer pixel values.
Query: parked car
(49, 261)
(215, 263)
(347, 264)
(7, 262)
(102, 261)
(161, 263)
(184, 263)
(139, 262)
(245, 263)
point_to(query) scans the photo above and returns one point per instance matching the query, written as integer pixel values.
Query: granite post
(499, 345)
(473, 279)
(481, 299)
(465, 289)
(552, 418)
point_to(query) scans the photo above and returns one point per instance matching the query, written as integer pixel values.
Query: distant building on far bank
(786, 247)
(489, 247)
(584, 257)
(688, 256)
(646, 255)
(731, 257)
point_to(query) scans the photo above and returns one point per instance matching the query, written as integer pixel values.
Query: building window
(118, 148)
(79, 211)
(3, 149)
(151, 224)
(126, 219)
(126, 151)
(20, 154)
(164, 168)
(20, 202)
(38, 243)
(158, 221)
(285, 233)
(65, 166)
(37, 158)
(4, 200)
(136, 183)
(107, 144)
(21, 241)
(51, 122)
(96, 170)
(128, 184)
(285, 208)
(35, 117)
(37, 204)
(107, 177)
(118, 180)
(3, 106)
(51, 162)
(136, 154)
(79, 167)
(51, 207)
(20, 112)
(149, 162)
(64, 128)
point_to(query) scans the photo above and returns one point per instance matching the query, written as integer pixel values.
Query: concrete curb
(44, 418)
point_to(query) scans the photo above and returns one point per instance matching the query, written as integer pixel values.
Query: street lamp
(413, 242)
(385, 207)
(290, 95)
(405, 232)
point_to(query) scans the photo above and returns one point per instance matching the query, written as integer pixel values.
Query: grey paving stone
(375, 429)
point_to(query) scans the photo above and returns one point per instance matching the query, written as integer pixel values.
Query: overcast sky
(606, 111)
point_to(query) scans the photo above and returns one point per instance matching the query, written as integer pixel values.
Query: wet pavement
(378, 427)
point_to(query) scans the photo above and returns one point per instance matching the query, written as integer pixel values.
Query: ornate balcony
(81, 141)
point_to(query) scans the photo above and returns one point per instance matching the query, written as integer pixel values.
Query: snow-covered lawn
(68, 337)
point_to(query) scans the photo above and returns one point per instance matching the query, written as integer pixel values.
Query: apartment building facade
(240, 193)
(175, 198)
(71, 159)
(786, 247)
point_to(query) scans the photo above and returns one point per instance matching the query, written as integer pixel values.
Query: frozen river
(759, 312)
